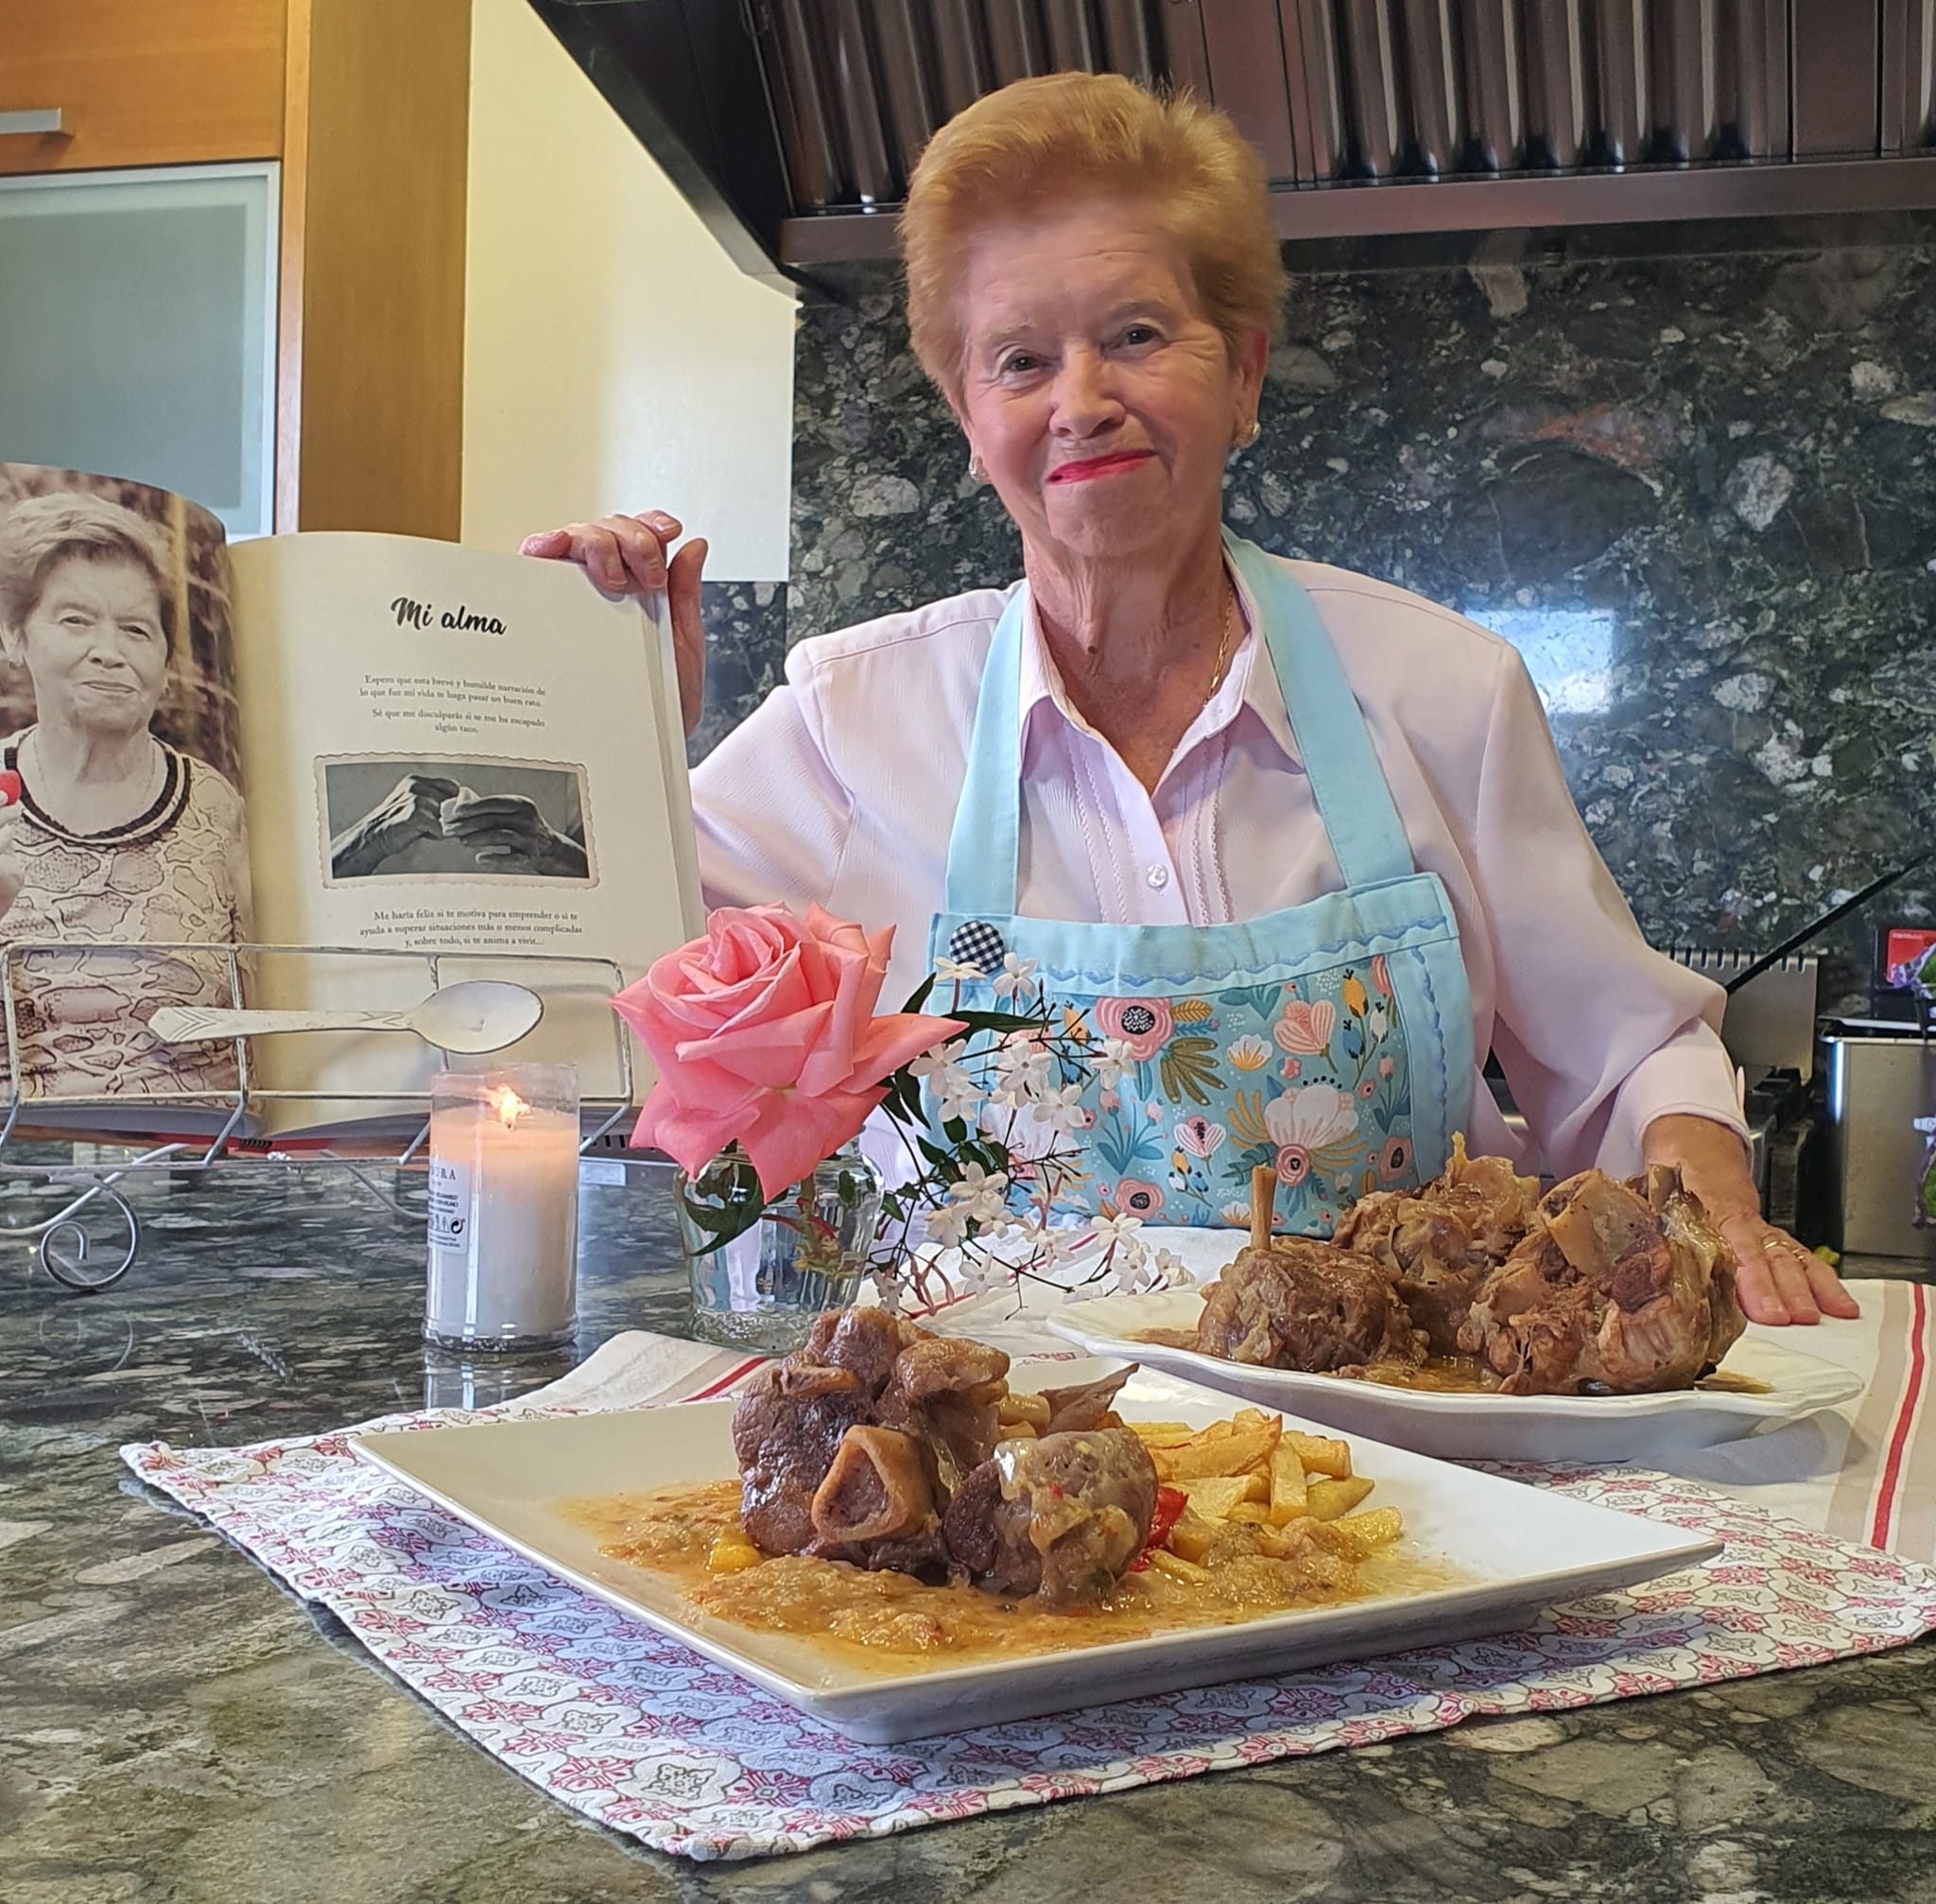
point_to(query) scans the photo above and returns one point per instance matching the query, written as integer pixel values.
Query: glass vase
(803, 1253)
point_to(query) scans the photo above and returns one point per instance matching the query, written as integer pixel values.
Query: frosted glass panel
(137, 330)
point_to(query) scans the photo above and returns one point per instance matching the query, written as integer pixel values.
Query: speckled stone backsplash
(1696, 490)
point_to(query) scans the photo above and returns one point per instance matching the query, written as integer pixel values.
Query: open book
(380, 764)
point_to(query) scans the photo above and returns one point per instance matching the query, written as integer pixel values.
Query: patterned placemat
(643, 1736)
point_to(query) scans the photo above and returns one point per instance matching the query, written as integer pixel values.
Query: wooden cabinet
(141, 82)
(362, 106)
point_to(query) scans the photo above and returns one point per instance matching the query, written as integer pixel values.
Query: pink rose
(764, 1034)
(1293, 1165)
(1143, 1024)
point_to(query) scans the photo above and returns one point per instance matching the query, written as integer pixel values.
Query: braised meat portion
(1059, 1516)
(851, 1447)
(1625, 1287)
(1438, 1243)
(1296, 1304)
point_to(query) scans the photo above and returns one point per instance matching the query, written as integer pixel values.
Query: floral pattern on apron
(1332, 1040)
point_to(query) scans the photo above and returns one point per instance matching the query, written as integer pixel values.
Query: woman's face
(94, 643)
(1102, 400)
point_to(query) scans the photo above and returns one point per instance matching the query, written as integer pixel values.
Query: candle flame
(508, 1105)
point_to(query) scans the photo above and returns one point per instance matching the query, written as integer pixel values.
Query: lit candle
(504, 1182)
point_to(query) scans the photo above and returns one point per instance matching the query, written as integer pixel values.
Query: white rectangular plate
(1515, 1549)
(1477, 1427)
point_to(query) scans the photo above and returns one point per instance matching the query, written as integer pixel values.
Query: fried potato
(1191, 1536)
(1177, 1567)
(1163, 1433)
(1033, 1410)
(1322, 1454)
(1214, 1496)
(1233, 1453)
(1362, 1532)
(1252, 1513)
(1287, 1490)
(1329, 1499)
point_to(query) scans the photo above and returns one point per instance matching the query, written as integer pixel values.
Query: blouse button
(1159, 877)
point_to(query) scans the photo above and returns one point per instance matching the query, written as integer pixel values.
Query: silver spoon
(481, 1015)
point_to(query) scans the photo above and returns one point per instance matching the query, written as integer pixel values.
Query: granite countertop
(173, 1725)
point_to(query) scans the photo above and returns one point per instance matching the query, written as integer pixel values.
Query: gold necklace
(1223, 639)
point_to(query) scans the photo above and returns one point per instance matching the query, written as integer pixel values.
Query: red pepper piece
(1171, 1502)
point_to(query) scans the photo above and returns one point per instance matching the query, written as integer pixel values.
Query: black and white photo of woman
(119, 834)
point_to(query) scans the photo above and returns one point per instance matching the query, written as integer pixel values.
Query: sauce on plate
(893, 1622)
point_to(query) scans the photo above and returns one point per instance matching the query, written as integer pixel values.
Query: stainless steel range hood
(793, 124)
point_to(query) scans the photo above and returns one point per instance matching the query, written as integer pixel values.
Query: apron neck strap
(1367, 838)
(1333, 744)
(985, 847)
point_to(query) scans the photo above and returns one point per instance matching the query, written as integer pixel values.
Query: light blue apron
(1332, 1040)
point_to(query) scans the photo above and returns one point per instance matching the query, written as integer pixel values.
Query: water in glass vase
(805, 1253)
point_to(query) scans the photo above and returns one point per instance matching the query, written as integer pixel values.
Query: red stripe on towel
(1905, 1418)
(727, 1380)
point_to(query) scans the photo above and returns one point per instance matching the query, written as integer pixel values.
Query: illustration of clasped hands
(504, 832)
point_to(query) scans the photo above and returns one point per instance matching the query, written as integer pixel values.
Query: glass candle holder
(503, 1200)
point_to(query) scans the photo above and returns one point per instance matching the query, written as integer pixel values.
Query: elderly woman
(116, 835)
(1296, 840)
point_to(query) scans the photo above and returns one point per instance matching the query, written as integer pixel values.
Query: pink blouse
(842, 787)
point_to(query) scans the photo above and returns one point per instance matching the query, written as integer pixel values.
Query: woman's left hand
(508, 835)
(1777, 1280)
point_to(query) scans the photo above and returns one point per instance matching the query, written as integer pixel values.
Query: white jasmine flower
(958, 1095)
(1170, 1272)
(1022, 1059)
(958, 971)
(938, 1062)
(947, 1226)
(1114, 1231)
(1108, 1062)
(1061, 1111)
(982, 1193)
(1015, 980)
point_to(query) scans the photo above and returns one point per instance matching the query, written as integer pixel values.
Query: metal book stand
(91, 1241)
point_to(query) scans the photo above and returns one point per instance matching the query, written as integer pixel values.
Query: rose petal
(792, 1134)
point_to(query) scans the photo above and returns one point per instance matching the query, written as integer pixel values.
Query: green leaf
(1262, 999)
(921, 995)
(1187, 1068)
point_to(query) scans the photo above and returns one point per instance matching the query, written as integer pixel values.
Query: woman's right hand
(627, 555)
(410, 811)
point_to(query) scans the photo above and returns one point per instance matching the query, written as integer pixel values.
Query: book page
(461, 753)
(121, 812)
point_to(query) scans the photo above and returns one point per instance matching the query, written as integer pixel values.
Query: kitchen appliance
(1769, 1030)
(1880, 1080)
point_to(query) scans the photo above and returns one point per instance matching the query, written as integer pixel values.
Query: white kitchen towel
(648, 1737)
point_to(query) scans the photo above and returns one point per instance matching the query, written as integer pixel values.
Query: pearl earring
(978, 470)
(1248, 434)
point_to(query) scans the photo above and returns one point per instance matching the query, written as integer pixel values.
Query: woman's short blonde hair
(43, 530)
(1041, 143)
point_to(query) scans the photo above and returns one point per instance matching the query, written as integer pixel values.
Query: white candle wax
(503, 1177)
